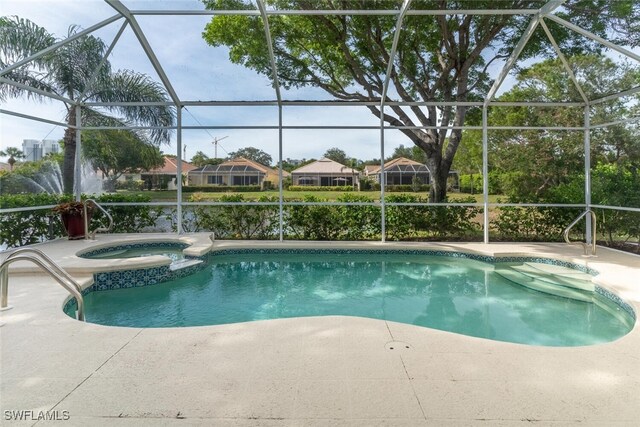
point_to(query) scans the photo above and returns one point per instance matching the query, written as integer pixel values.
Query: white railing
(591, 242)
(92, 235)
(47, 264)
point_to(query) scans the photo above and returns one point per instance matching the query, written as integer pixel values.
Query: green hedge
(128, 219)
(28, 227)
(232, 221)
(333, 222)
(320, 188)
(435, 222)
(221, 189)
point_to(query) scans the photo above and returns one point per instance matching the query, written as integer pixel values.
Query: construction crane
(215, 144)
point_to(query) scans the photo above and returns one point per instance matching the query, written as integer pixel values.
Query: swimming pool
(454, 294)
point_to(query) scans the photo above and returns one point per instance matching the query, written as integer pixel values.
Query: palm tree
(13, 153)
(70, 71)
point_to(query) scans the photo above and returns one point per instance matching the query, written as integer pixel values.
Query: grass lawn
(170, 195)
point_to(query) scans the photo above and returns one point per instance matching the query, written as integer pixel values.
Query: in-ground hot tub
(173, 250)
(524, 300)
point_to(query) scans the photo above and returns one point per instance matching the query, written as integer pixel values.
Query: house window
(245, 180)
(214, 179)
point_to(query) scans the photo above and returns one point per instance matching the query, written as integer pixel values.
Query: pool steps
(550, 279)
(184, 263)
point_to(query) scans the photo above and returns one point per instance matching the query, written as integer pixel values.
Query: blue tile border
(123, 279)
(617, 300)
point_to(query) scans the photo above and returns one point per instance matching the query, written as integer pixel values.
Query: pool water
(451, 294)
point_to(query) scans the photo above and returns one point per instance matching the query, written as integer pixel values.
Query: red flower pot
(74, 225)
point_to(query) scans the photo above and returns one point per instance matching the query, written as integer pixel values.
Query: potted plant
(72, 214)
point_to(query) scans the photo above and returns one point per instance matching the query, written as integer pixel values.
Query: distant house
(239, 171)
(5, 166)
(400, 171)
(325, 173)
(163, 177)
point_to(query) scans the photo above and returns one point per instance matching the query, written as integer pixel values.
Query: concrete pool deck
(316, 371)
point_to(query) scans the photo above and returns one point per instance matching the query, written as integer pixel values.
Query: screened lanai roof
(239, 165)
(147, 22)
(400, 165)
(168, 39)
(227, 169)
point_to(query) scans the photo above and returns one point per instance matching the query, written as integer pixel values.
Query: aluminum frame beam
(339, 103)
(629, 92)
(564, 61)
(592, 36)
(38, 91)
(37, 119)
(528, 32)
(616, 208)
(383, 96)
(551, 6)
(77, 170)
(378, 12)
(179, 171)
(616, 122)
(587, 172)
(104, 59)
(124, 11)
(272, 58)
(394, 47)
(485, 175)
(355, 127)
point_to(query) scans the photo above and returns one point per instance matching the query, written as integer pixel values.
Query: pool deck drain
(397, 346)
(308, 371)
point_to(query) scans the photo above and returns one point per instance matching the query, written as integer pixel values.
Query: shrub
(313, 222)
(471, 184)
(365, 184)
(320, 188)
(221, 189)
(130, 185)
(28, 227)
(127, 219)
(439, 222)
(236, 221)
(286, 182)
(403, 221)
(360, 222)
(533, 223)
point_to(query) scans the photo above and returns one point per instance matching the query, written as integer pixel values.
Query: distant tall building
(35, 149)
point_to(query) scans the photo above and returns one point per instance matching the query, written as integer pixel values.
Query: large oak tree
(439, 58)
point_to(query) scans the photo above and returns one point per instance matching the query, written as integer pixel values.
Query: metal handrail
(92, 235)
(47, 264)
(585, 245)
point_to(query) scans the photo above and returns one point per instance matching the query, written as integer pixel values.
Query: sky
(197, 71)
